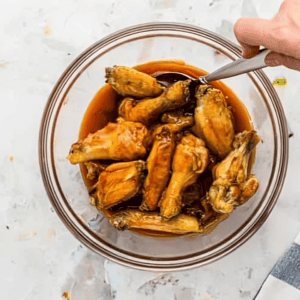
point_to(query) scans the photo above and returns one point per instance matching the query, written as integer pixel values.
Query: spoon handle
(240, 66)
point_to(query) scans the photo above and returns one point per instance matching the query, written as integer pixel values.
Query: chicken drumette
(148, 110)
(189, 161)
(214, 121)
(117, 141)
(233, 185)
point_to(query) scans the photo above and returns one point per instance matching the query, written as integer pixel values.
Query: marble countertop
(39, 258)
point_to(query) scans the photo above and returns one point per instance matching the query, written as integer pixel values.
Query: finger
(251, 33)
(276, 59)
(268, 33)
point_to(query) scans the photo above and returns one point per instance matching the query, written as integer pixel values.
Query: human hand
(280, 34)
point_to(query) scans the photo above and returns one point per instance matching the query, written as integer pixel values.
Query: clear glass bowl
(63, 115)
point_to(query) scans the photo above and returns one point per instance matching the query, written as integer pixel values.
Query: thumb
(251, 33)
(276, 59)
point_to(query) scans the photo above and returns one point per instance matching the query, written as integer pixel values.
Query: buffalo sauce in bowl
(104, 108)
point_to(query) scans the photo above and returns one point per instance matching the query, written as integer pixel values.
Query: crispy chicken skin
(189, 161)
(119, 182)
(132, 218)
(214, 121)
(232, 184)
(175, 122)
(148, 110)
(130, 82)
(159, 169)
(117, 141)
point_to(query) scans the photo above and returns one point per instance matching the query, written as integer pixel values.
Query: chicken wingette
(118, 183)
(130, 82)
(131, 218)
(181, 224)
(116, 141)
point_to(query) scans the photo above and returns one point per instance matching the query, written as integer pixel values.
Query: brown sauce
(103, 109)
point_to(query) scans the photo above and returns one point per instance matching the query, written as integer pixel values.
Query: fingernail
(272, 60)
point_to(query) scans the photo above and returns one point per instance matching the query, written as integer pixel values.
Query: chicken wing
(130, 82)
(119, 182)
(189, 161)
(159, 169)
(176, 122)
(214, 121)
(132, 218)
(117, 141)
(148, 110)
(233, 185)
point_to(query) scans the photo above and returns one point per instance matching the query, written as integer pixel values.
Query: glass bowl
(60, 127)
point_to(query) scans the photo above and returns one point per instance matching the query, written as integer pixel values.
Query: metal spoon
(240, 66)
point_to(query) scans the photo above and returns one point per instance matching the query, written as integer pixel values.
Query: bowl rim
(45, 157)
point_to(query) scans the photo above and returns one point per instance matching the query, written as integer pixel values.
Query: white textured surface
(39, 258)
